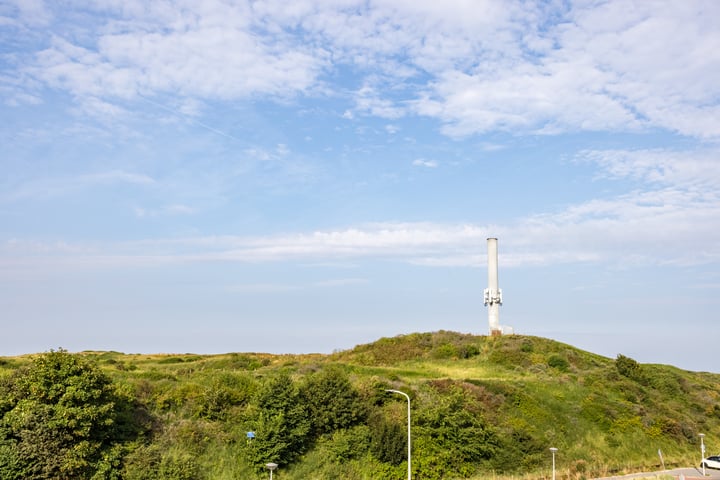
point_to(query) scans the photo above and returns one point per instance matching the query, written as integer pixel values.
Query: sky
(307, 176)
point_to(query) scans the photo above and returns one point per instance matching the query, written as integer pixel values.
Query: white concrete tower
(493, 294)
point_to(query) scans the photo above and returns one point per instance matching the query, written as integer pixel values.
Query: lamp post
(271, 467)
(554, 451)
(408, 428)
(702, 451)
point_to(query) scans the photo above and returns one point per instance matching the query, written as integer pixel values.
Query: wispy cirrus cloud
(631, 229)
(671, 217)
(50, 187)
(272, 288)
(174, 209)
(680, 168)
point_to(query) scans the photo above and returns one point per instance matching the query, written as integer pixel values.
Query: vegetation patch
(481, 406)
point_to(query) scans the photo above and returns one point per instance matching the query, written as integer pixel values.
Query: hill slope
(480, 405)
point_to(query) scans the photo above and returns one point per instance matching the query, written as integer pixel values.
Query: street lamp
(554, 451)
(271, 467)
(409, 448)
(702, 451)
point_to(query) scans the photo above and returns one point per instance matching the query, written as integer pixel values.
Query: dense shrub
(349, 444)
(559, 363)
(225, 392)
(628, 367)
(451, 439)
(332, 401)
(388, 441)
(61, 417)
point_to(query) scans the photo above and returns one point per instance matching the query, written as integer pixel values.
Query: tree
(282, 425)
(60, 418)
(332, 401)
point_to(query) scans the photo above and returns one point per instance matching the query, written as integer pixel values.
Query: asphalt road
(691, 473)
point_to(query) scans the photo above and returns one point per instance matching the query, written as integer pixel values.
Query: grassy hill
(480, 406)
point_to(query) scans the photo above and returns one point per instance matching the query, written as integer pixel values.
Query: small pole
(271, 467)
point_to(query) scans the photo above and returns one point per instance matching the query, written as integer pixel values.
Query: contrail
(188, 117)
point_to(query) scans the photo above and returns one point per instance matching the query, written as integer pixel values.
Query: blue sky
(216, 176)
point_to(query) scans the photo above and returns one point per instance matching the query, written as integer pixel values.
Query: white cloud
(681, 169)
(420, 162)
(204, 53)
(30, 13)
(270, 288)
(56, 186)
(175, 209)
(669, 217)
(15, 98)
(666, 226)
(477, 66)
(527, 100)
(369, 101)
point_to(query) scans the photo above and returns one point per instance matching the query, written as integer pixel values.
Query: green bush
(446, 350)
(349, 444)
(226, 391)
(451, 439)
(59, 418)
(388, 439)
(559, 363)
(332, 401)
(628, 367)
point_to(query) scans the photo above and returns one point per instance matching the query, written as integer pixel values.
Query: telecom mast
(493, 294)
